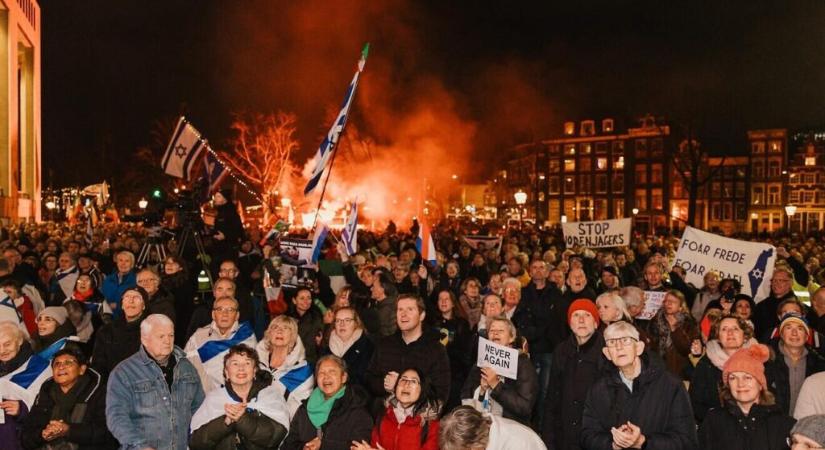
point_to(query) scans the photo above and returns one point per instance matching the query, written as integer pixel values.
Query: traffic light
(157, 193)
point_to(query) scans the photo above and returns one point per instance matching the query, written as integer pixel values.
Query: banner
(653, 303)
(750, 263)
(294, 262)
(597, 234)
(504, 360)
(477, 241)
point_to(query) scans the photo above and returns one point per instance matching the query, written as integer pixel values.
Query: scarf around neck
(318, 408)
(338, 346)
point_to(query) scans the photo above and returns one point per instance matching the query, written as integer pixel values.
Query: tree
(261, 152)
(691, 163)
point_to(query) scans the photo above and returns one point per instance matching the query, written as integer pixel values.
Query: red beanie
(750, 360)
(583, 304)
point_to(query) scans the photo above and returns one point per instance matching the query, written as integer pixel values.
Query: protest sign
(504, 360)
(479, 242)
(653, 302)
(751, 263)
(294, 263)
(601, 233)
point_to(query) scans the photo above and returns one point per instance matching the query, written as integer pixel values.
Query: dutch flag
(318, 238)
(327, 147)
(424, 243)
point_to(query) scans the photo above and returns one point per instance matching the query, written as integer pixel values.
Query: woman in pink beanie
(749, 418)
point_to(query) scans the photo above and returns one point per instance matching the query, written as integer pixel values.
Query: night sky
(111, 69)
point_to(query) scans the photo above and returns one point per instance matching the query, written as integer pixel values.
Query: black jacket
(516, 397)
(87, 421)
(357, 358)
(348, 421)
(115, 342)
(425, 353)
(551, 311)
(531, 322)
(254, 431)
(658, 405)
(704, 388)
(310, 325)
(182, 289)
(764, 428)
(776, 372)
(162, 303)
(574, 370)
(764, 316)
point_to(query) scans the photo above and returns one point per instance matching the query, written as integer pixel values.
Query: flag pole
(326, 180)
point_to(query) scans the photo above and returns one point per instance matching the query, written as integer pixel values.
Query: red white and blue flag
(183, 151)
(327, 147)
(318, 238)
(349, 235)
(424, 243)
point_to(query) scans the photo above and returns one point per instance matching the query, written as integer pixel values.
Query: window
(584, 183)
(727, 211)
(554, 185)
(588, 128)
(793, 196)
(716, 189)
(810, 160)
(585, 148)
(601, 148)
(600, 212)
(570, 149)
(775, 146)
(618, 162)
(601, 163)
(741, 212)
(807, 197)
(618, 147)
(656, 173)
(641, 149)
(758, 169)
(618, 208)
(554, 166)
(727, 190)
(757, 148)
(569, 165)
(656, 148)
(678, 189)
(658, 199)
(601, 183)
(773, 195)
(716, 211)
(774, 167)
(641, 199)
(555, 149)
(607, 126)
(641, 174)
(740, 189)
(569, 186)
(618, 182)
(757, 197)
(809, 178)
(585, 164)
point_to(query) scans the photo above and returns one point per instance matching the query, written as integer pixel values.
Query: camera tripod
(153, 252)
(190, 234)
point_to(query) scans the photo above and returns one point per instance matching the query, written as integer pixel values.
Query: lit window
(618, 163)
(569, 165)
(601, 163)
(810, 160)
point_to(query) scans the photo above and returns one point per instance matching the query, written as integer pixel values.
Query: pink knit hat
(750, 360)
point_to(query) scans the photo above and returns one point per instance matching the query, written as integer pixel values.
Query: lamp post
(143, 203)
(521, 199)
(790, 210)
(50, 205)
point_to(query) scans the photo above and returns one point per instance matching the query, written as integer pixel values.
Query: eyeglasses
(148, 280)
(409, 381)
(625, 341)
(344, 321)
(792, 441)
(225, 310)
(66, 363)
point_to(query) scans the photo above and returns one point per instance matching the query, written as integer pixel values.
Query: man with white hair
(152, 395)
(209, 344)
(637, 404)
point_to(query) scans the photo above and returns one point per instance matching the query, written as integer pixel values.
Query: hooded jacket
(658, 405)
(87, 422)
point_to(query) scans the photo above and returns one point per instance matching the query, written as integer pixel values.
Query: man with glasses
(229, 269)
(637, 404)
(161, 300)
(208, 345)
(764, 317)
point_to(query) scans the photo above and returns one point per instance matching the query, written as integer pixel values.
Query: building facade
(727, 194)
(20, 137)
(768, 150)
(806, 182)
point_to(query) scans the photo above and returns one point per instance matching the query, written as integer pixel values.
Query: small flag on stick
(349, 235)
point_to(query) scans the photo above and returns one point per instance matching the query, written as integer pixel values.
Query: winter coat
(310, 325)
(357, 358)
(704, 388)
(777, 374)
(415, 432)
(764, 316)
(115, 342)
(551, 311)
(425, 353)
(114, 285)
(574, 370)
(348, 421)
(516, 397)
(183, 291)
(676, 354)
(658, 405)
(11, 427)
(456, 337)
(728, 428)
(162, 303)
(531, 323)
(40, 343)
(87, 421)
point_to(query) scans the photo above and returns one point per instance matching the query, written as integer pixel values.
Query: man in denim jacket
(152, 395)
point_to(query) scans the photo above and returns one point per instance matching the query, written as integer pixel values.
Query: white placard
(653, 302)
(504, 360)
(597, 234)
(751, 263)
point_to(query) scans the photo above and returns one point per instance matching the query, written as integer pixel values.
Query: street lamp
(521, 199)
(790, 210)
(143, 203)
(635, 211)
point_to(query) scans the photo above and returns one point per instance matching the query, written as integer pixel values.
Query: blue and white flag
(327, 147)
(349, 235)
(183, 150)
(24, 383)
(206, 349)
(318, 238)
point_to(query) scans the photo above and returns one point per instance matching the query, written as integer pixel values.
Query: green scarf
(318, 408)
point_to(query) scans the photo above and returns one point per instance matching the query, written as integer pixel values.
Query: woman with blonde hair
(283, 354)
(348, 340)
(673, 332)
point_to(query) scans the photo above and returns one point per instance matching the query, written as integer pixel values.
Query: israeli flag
(321, 231)
(350, 232)
(327, 147)
(24, 383)
(183, 150)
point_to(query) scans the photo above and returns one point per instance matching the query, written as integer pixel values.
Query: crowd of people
(98, 351)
